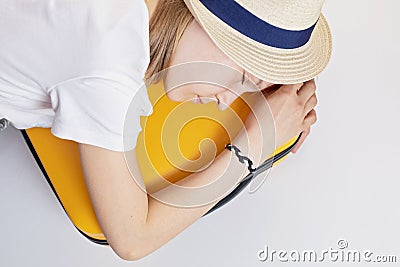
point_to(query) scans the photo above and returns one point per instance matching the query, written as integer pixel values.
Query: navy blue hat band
(255, 28)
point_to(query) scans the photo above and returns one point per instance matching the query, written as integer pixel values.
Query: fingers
(271, 89)
(292, 107)
(291, 89)
(310, 104)
(307, 91)
(310, 119)
(306, 94)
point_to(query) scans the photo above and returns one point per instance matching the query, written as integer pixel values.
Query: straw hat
(279, 41)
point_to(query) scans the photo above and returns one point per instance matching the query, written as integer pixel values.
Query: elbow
(130, 256)
(134, 245)
(132, 253)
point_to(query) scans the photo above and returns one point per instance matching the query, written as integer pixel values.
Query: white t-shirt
(75, 66)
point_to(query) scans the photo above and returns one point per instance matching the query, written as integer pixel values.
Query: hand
(292, 108)
(270, 90)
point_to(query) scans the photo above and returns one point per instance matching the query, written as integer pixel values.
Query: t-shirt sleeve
(100, 111)
(106, 56)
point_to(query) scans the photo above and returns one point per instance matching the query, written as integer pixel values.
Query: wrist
(255, 145)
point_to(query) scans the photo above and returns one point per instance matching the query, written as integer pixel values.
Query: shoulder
(105, 15)
(102, 17)
(80, 38)
(112, 34)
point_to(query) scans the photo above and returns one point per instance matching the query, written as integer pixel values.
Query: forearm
(136, 224)
(165, 221)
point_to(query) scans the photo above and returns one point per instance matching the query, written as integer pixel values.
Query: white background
(343, 183)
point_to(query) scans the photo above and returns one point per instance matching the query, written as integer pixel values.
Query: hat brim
(274, 65)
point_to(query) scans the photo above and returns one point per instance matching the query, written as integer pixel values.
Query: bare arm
(136, 224)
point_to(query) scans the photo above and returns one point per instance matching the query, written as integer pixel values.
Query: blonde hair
(167, 24)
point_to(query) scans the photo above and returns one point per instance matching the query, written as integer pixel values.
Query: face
(195, 45)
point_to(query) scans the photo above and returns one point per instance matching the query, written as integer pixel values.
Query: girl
(75, 66)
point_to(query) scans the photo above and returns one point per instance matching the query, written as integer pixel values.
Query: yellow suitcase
(59, 159)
